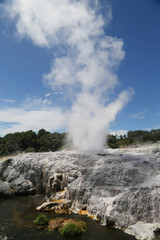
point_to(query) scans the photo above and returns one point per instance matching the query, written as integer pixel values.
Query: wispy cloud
(7, 100)
(48, 94)
(19, 119)
(34, 102)
(139, 115)
(58, 93)
(118, 132)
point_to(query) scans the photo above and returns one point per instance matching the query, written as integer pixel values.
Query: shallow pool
(16, 222)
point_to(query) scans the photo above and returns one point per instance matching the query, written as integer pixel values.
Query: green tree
(112, 141)
(56, 141)
(43, 140)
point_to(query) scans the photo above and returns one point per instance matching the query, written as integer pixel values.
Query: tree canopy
(44, 141)
(29, 141)
(133, 138)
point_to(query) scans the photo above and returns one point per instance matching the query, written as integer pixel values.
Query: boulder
(5, 190)
(55, 205)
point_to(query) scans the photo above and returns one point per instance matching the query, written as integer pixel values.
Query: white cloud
(85, 69)
(47, 22)
(139, 115)
(118, 132)
(48, 94)
(35, 102)
(57, 93)
(8, 100)
(22, 120)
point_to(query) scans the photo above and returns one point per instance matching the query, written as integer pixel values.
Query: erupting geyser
(84, 66)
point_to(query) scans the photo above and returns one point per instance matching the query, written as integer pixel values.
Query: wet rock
(60, 177)
(157, 231)
(55, 205)
(5, 190)
(99, 216)
(56, 183)
(143, 231)
(11, 175)
(59, 195)
(101, 154)
(71, 179)
(110, 221)
(47, 206)
(22, 186)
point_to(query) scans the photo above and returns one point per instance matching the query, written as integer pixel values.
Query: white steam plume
(86, 65)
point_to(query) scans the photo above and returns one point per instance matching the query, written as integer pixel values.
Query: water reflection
(16, 222)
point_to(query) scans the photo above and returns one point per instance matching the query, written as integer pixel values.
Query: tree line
(29, 141)
(44, 141)
(133, 138)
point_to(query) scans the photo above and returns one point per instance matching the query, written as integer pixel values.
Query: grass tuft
(72, 229)
(41, 220)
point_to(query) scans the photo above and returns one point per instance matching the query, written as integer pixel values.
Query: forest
(133, 138)
(44, 141)
(29, 141)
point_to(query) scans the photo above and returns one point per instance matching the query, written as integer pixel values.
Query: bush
(71, 230)
(82, 225)
(112, 141)
(30, 149)
(41, 220)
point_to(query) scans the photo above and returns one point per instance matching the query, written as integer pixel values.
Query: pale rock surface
(5, 190)
(123, 186)
(143, 230)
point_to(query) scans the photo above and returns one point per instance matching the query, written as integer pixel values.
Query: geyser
(84, 66)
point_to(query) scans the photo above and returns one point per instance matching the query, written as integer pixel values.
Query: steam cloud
(86, 63)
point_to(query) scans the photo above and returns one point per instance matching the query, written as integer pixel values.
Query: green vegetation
(41, 220)
(133, 138)
(73, 229)
(44, 141)
(83, 225)
(29, 141)
(112, 141)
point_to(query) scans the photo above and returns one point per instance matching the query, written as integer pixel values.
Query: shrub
(82, 225)
(41, 220)
(112, 141)
(30, 149)
(71, 230)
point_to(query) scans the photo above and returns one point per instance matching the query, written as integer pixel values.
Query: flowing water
(16, 222)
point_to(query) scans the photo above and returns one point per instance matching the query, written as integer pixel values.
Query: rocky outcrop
(118, 188)
(58, 206)
(141, 230)
(5, 190)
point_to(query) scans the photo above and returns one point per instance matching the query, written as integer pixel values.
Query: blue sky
(137, 22)
(26, 99)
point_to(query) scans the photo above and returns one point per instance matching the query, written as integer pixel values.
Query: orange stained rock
(61, 211)
(83, 212)
(91, 216)
(86, 213)
(59, 201)
(62, 191)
